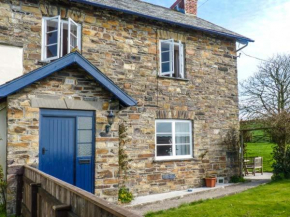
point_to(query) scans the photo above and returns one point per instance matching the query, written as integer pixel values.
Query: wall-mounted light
(111, 118)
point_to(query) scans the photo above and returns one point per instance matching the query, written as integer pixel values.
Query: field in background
(261, 150)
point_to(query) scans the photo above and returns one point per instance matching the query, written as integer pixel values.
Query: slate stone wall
(125, 48)
(23, 127)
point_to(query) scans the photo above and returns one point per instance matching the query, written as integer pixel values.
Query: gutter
(238, 38)
(246, 45)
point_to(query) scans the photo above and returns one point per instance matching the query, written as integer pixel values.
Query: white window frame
(78, 36)
(44, 34)
(174, 156)
(60, 37)
(172, 44)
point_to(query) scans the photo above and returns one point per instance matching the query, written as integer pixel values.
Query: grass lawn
(264, 201)
(263, 150)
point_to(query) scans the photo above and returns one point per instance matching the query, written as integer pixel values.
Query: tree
(266, 99)
(267, 93)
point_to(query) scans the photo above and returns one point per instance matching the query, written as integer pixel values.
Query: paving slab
(259, 176)
(153, 198)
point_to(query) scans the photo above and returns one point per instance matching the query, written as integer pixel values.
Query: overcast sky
(265, 21)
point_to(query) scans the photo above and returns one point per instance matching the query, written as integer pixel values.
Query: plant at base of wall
(210, 181)
(125, 196)
(237, 179)
(3, 185)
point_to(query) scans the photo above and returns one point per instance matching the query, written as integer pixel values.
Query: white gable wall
(11, 63)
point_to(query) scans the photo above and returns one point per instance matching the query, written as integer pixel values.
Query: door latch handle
(43, 151)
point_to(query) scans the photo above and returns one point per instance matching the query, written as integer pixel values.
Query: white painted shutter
(73, 38)
(181, 59)
(166, 50)
(46, 43)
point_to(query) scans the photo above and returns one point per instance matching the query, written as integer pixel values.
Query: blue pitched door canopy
(72, 58)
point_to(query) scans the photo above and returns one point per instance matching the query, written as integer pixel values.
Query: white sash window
(171, 58)
(173, 139)
(59, 37)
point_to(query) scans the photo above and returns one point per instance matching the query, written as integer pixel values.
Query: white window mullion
(61, 39)
(173, 139)
(79, 34)
(43, 47)
(181, 59)
(58, 39)
(172, 57)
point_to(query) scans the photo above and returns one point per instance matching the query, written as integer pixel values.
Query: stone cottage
(116, 93)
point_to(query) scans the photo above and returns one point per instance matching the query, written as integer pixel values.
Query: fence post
(19, 192)
(34, 191)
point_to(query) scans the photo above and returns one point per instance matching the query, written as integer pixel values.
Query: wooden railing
(41, 195)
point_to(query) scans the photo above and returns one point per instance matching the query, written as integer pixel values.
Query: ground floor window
(173, 139)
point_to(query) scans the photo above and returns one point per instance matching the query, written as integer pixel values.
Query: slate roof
(69, 59)
(158, 13)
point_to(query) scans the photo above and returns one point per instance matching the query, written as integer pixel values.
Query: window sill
(173, 78)
(175, 159)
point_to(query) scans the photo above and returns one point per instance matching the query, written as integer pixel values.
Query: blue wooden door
(66, 146)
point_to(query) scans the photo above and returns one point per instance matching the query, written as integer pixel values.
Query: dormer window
(171, 58)
(59, 37)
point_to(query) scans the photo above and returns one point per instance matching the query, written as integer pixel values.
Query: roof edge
(165, 21)
(57, 65)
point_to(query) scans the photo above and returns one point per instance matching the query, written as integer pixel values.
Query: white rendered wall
(3, 139)
(11, 65)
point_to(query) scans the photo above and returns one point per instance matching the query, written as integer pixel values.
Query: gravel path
(167, 204)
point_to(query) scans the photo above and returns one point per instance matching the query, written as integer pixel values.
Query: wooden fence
(41, 195)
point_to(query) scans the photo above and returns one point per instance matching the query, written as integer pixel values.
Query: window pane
(182, 127)
(85, 136)
(73, 36)
(182, 139)
(183, 150)
(52, 38)
(73, 42)
(164, 139)
(164, 150)
(52, 25)
(165, 57)
(166, 67)
(51, 51)
(165, 47)
(85, 123)
(84, 150)
(164, 127)
(74, 30)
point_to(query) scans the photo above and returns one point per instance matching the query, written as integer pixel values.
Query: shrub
(281, 165)
(3, 186)
(125, 196)
(237, 179)
(280, 132)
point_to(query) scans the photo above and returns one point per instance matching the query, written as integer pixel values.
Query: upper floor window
(59, 37)
(171, 58)
(173, 139)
